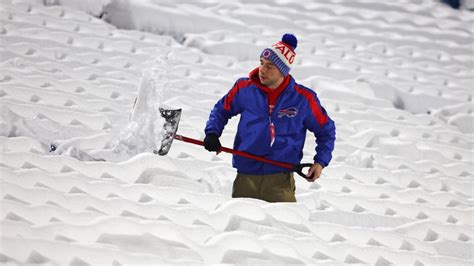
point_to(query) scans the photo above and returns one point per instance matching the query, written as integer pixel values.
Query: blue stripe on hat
(271, 56)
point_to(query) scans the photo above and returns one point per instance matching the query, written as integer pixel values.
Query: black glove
(212, 143)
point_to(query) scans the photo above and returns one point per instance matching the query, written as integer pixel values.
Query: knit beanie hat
(282, 54)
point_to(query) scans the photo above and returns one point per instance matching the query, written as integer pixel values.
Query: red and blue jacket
(275, 132)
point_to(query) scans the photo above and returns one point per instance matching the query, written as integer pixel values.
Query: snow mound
(81, 186)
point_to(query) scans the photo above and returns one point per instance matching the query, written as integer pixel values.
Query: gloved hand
(212, 143)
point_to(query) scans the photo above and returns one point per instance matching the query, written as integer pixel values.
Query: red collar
(272, 94)
(255, 79)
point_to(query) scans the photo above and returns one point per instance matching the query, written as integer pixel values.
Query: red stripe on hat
(285, 44)
(231, 95)
(315, 107)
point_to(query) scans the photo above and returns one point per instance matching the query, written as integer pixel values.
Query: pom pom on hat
(282, 54)
(290, 39)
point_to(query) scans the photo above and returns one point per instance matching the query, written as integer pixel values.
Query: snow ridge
(395, 76)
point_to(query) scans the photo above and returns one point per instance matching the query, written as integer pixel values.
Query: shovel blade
(169, 129)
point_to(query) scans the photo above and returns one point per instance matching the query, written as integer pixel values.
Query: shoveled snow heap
(395, 76)
(144, 131)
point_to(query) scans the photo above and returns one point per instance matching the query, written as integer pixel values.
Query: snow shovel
(169, 134)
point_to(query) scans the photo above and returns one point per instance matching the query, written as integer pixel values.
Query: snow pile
(143, 133)
(395, 76)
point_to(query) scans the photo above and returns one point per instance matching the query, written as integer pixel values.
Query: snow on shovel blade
(169, 129)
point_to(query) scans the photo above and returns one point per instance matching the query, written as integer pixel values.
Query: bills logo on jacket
(288, 112)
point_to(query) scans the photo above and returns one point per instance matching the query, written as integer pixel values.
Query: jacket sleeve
(227, 107)
(318, 121)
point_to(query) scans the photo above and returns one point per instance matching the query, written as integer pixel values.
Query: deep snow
(395, 76)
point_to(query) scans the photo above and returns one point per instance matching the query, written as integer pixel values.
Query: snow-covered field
(396, 76)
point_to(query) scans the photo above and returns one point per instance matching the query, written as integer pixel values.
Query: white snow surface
(81, 186)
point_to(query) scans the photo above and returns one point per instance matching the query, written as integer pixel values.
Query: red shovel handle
(296, 168)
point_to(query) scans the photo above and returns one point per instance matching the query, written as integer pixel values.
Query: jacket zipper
(272, 131)
(271, 110)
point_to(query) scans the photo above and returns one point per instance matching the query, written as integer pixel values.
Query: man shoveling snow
(275, 114)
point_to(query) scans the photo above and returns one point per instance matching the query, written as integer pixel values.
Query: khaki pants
(278, 187)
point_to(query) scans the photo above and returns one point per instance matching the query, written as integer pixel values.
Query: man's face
(269, 74)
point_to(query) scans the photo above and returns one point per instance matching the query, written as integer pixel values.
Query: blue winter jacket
(297, 109)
